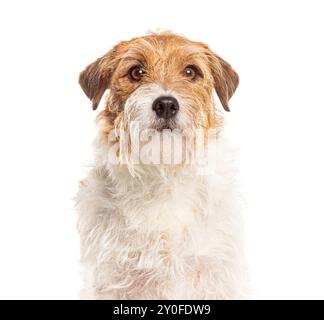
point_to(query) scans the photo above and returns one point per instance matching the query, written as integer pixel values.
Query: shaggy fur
(160, 231)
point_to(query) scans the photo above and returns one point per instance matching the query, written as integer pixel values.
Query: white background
(46, 129)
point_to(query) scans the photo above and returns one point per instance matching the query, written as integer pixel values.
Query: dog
(154, 229)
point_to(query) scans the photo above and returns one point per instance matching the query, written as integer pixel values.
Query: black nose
(166, 107)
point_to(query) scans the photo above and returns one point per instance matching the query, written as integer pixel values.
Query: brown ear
(93, 82)
(226, 79)
(95, 79)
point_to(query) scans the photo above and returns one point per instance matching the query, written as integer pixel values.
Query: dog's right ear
(96, 77)
(93, 82)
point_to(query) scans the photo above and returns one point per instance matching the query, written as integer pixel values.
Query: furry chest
(172, 206)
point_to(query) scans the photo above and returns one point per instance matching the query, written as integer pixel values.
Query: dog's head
(163, 81)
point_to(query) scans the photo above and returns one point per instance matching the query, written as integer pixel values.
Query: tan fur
(164, 57)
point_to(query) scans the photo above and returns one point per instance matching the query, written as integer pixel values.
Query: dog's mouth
(161, 125)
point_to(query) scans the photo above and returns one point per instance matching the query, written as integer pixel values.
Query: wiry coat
(160, 231)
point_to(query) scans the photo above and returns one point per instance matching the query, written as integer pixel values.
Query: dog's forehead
(157, 47)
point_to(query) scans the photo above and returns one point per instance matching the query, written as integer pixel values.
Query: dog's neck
(134, 175)
(174, 189)
(140, 171)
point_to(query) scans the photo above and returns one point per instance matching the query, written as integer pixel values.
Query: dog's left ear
(225, 78)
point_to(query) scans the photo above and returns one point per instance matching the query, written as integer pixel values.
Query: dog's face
(163, 81)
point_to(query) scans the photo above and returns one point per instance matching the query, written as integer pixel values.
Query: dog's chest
(171, 204)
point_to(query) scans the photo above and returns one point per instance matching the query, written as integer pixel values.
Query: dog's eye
(192, 72)
(136, 73)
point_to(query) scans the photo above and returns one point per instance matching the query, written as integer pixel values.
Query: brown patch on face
(163, 58)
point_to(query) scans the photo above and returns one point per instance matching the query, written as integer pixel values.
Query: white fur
(166, 233)
(139, 106)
